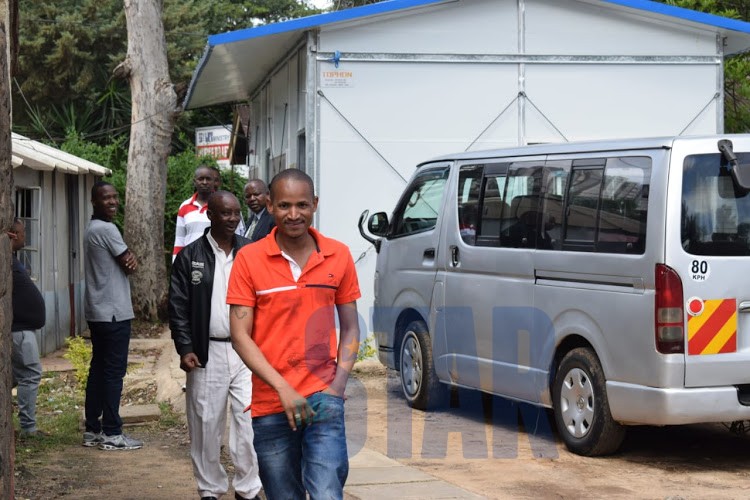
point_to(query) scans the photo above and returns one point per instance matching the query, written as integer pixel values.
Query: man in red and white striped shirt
(192, 220)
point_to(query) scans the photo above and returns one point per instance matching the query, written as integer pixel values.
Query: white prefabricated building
(357, 98)
(51, 197)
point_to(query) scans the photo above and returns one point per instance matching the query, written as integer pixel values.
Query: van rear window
(715, 212)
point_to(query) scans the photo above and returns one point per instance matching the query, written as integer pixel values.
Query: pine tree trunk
(154, 107)
(6, 218)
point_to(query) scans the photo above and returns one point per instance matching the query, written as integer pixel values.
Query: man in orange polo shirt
(282, 292)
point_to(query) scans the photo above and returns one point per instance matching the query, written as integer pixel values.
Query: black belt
(220, 339)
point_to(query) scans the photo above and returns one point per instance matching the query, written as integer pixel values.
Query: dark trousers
(109, 361)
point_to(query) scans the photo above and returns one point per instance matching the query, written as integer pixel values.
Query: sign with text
(214, 142)
(336, 78)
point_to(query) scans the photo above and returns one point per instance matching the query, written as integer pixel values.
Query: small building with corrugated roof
(51, 195)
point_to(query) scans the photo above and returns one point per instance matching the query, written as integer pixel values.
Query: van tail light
(669, 313)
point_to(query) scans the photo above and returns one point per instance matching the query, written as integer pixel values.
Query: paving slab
(375, 476)
(371, 458)
(417, 491)
(386, 475)
(54, 362)
(139, 414)
(132, 416)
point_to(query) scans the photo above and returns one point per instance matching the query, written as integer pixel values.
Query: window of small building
(28, 203)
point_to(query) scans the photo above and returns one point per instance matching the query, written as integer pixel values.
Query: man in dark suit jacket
(259, 222)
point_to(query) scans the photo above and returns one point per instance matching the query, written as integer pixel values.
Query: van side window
(522, 221)
(469, 189)
(419, 207)
(607, 205)
(494, 210)
(622, 220)
(553, 198)
(583, 208)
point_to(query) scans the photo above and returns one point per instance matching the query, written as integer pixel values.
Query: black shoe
(238, 497)
(209, 498)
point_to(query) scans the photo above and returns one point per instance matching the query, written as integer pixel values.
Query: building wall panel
(619, 101)
(473, 27)
(572, 27)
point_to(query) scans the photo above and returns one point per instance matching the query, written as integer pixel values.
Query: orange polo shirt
(293, 322)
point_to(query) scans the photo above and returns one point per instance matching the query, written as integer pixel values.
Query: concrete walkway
(372, 475)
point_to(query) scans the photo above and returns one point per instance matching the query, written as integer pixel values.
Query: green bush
(367, 349)
(79, 355)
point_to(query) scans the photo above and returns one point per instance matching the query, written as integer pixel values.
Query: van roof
(580, 147)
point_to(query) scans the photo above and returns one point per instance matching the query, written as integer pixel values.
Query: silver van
(608, 281)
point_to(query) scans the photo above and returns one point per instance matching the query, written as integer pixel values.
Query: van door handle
(744, 306)
(454, 255)
(429, 253)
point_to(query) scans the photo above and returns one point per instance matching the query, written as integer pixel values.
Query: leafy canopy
(70, 48)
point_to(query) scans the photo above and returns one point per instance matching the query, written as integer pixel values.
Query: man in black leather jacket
(199, 320)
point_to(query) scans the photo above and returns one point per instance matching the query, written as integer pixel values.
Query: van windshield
(715, 212)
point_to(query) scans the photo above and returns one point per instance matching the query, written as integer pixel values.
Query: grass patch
(58, 412)
(367, 350)
(169, 418)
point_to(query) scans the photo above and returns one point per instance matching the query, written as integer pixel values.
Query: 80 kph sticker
(699, 270)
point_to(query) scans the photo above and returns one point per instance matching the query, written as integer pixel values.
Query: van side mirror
(378, 224)
(370, 239)
(740, 171)
(741, 175)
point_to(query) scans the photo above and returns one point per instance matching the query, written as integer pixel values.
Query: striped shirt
(192, 222)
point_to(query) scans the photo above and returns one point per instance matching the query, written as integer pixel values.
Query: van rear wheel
(581, 406)
(419, 381)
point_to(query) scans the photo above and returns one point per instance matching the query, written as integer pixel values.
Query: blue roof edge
(318, 20)
(685, 14)
(196, 74)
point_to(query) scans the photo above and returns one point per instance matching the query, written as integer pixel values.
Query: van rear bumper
(638, 404)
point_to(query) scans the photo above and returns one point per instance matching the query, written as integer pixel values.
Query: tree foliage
(69, 49)
(348, 4)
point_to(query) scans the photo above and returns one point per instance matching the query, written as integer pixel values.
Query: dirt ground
(159, 470)
(504, 458)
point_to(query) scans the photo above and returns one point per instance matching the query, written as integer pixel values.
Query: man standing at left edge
(28, 315)
(108, 311)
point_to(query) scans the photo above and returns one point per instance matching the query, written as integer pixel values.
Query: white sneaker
(120, 442)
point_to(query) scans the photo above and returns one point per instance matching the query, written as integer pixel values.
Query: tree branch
(123, 69)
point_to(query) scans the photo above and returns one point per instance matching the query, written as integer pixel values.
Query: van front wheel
(581, 407)
(419, 382)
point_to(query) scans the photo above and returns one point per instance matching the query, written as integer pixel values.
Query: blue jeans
(312, 459)
(109, 361)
